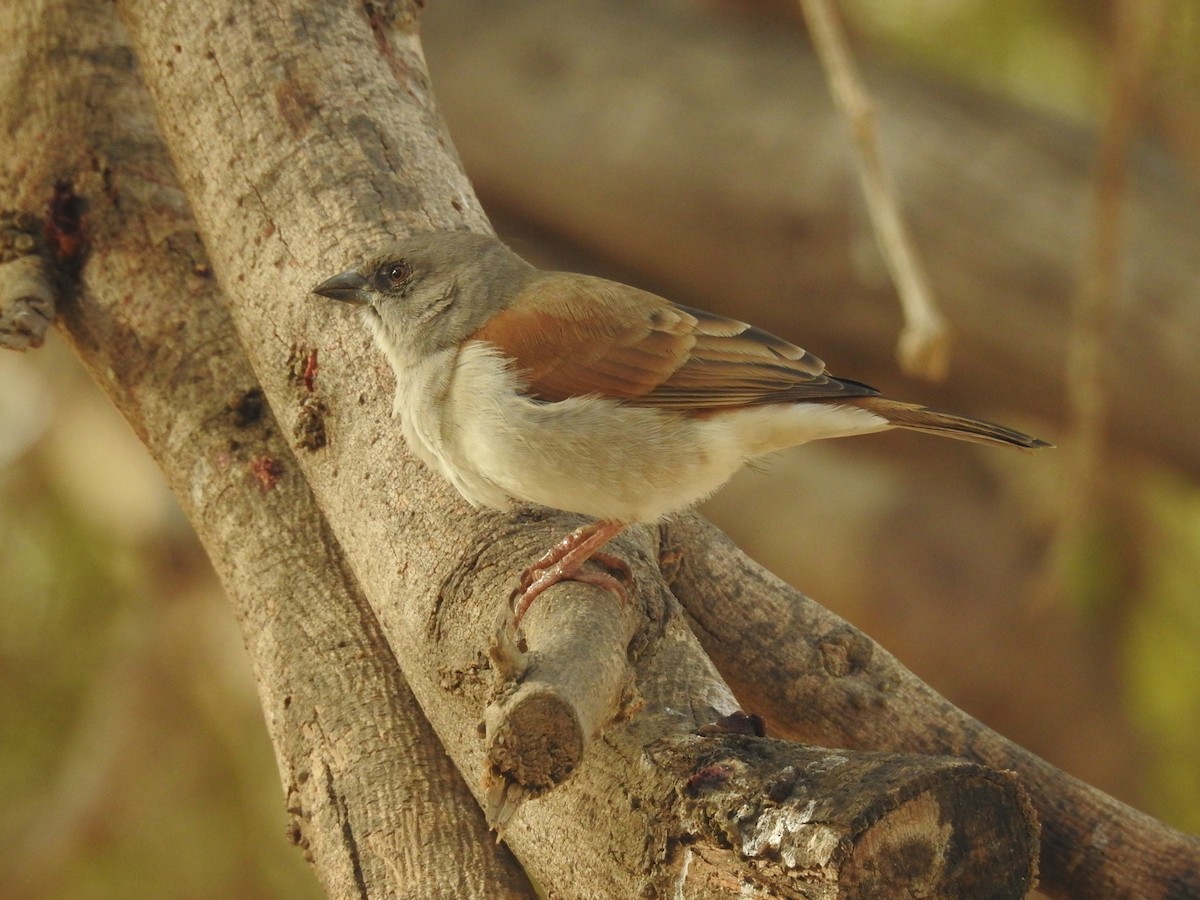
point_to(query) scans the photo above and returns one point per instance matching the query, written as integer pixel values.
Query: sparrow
(591, 396)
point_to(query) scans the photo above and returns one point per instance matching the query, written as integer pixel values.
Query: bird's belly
(598, 459)
(586, 454)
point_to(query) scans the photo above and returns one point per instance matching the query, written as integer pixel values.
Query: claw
(564, 562)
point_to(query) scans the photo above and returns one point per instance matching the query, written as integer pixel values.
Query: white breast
(425, 405)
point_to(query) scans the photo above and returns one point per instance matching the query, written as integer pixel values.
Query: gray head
(430, 291)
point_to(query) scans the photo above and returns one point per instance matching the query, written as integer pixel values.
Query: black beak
(349, 287)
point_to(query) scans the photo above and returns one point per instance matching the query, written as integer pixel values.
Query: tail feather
(922, 418)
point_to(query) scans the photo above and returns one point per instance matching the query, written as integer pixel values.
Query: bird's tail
(921, 418)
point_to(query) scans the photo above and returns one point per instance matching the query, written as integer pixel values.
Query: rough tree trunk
(302, 139)
(374, 801)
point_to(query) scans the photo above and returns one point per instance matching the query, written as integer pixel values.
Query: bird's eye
(398, 272)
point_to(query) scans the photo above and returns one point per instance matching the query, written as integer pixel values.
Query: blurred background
(1047, 153)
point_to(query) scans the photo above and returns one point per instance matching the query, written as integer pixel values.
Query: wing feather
(574, 336)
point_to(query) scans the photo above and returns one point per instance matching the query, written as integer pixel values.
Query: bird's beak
(349, 287)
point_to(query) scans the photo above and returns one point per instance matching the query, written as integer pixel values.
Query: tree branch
(557, 694)
(373, 800)
(27, 288)
(924, 349)
(434, 574)
(816, 678)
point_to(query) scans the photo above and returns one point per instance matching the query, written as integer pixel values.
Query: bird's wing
(572, 336)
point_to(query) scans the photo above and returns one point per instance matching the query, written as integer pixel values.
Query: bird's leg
(565, 560)
(583, 542)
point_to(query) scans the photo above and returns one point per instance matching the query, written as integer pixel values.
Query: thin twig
(1138, 28)
(923, 348)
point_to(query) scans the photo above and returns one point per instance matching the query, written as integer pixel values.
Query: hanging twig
(1137, 29)
(923, 348)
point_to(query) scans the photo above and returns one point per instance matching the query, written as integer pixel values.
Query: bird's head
(430, 291)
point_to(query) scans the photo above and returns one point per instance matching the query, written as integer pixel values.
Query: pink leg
(565, 560)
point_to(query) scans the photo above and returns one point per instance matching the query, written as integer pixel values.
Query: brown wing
(573, 335)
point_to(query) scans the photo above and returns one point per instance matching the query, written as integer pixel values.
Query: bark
(699, 155)
(703, 151)
(655, 806)
(371, 797)
(27, 301)
(263, 221)
(815, 678)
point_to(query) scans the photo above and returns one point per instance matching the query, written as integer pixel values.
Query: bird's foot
(550, 577)
(564, 562)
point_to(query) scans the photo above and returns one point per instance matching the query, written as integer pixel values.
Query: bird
(593, 397)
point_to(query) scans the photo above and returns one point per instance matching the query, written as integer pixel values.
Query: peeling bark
(816, 678)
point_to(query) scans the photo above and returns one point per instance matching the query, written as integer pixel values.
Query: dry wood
(428, 568)
(816, 678)
(27, 307)
(368, 792)
(924, 348)
(558, 692)
(27, 291)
